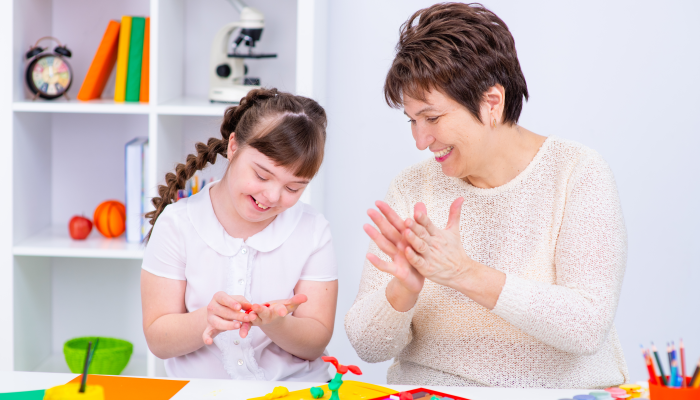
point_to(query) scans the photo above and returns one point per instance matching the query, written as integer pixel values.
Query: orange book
(146, 62)
(102, 65)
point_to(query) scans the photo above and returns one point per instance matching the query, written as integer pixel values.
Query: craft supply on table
(677, 385)
(110, 356)
(120, 387)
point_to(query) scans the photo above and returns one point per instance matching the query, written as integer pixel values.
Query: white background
(618, 76)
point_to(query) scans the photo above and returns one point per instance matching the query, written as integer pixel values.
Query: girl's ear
(232, 146)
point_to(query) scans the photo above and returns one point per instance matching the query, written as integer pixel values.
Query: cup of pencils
(677, 385)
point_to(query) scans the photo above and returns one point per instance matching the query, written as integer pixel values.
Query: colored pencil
(650, 366)
(83, 382)
(683, 384)
(658, 361)
(672, 378)
(695, 382)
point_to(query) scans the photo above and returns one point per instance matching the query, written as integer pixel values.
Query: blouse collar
(201, 214)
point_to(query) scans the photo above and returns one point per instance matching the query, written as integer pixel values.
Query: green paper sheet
(31, 395)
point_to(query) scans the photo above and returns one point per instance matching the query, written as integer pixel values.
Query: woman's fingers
(390, 215)
(386, 228)
(382, 242)
(381, 265)
(419, 244)
(415, 259)
(455, 214)
(420, 215)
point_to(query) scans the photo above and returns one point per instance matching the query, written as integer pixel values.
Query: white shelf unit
(64, 157)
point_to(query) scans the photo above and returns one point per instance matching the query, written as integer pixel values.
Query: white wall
(621, 77)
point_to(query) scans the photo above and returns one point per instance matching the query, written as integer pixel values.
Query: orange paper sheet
(120, 387)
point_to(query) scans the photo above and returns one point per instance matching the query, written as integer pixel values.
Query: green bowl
(110, 357)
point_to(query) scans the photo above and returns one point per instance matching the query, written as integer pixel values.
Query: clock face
(50, 76)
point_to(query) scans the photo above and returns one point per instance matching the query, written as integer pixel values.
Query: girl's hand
(394, 245)
(274, 311)
(437, 253)
(227, 313)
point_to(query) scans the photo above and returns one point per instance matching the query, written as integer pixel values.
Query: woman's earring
(494, 122)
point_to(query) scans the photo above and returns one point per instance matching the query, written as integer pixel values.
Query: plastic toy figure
(340, 370)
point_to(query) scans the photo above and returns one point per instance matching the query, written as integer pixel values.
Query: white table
(201, 389)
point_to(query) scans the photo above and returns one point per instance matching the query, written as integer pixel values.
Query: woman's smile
(442, 155)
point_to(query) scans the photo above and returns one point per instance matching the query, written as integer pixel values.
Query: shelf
(55, 242)
(102, 106)
(57, 363)
(192, 106)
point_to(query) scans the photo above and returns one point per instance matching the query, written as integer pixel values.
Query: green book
(133, 71)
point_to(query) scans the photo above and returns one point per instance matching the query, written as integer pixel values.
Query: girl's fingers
(414, 241)
(223, 324)
(209, 335)
(245, 328)
(382, 242)
(387, 229)
(226, 300)
(390, 215)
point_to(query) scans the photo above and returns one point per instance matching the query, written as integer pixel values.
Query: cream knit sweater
(558, 234)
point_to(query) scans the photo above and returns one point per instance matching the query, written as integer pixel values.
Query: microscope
(227, 77)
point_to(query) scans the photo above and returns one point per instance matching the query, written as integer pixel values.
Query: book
(135, 163)
(122, 59)
(146, 63)
(133, 74)
(102, 64)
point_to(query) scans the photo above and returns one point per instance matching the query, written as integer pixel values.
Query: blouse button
(241, 281)
(240, 362)
(236, 342)
(243, 251)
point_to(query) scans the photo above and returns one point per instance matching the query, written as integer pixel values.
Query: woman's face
(458, 141)
(259, 189)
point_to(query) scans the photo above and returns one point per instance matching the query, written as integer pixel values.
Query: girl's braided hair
(289, 129)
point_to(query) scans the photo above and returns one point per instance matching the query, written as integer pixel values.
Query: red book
(102, 65)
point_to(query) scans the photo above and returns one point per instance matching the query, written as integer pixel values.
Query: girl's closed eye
(292, 190)
(260, 177)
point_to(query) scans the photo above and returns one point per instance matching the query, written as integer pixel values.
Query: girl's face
(459, 142)
(259, 189)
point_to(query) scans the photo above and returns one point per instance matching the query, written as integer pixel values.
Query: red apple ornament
(79, 227)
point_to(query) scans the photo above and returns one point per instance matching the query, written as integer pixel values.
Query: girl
(239, 281)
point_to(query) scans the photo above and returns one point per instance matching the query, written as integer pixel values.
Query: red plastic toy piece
(343, 369)
(405, 396)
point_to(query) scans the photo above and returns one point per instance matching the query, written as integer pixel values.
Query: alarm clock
(48, 75)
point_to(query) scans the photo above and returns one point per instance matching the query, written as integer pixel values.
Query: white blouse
(188, 243)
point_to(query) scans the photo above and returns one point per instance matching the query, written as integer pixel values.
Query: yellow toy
(277, 393)
(350, 390)
(69, 391)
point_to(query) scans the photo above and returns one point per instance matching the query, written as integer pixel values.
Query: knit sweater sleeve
(376, 330)
(576, 313)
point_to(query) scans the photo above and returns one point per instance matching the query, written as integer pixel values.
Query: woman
(521, 286)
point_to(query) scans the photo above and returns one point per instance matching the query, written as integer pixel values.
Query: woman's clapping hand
(436, 253)
(389, 239)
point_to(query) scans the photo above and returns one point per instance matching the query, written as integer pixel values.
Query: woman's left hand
(276, 310)
(437, 253)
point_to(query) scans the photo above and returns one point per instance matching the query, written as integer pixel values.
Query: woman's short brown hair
(461, 50)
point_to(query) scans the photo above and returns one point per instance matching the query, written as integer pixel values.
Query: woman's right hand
(227, 313)
(403, 290)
